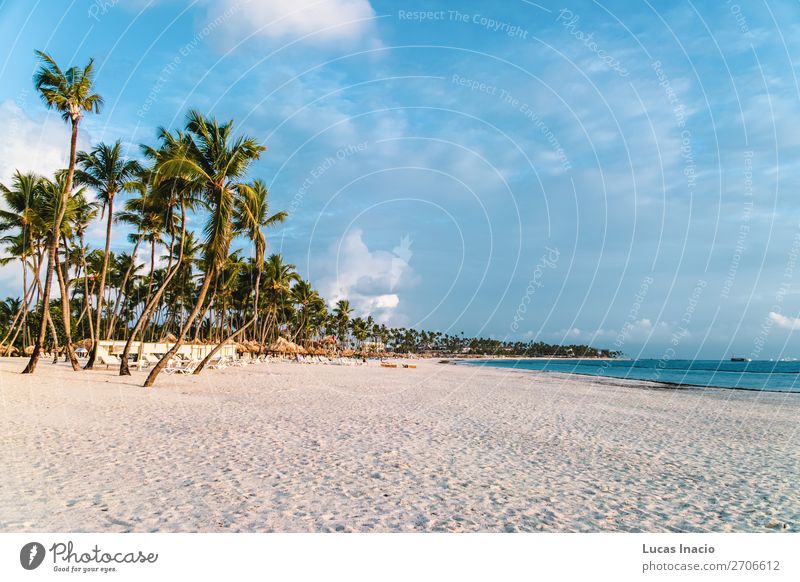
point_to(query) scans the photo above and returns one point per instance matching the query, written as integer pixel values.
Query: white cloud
(29, 145)
(324, 20)
(368, 279)
(785, 322)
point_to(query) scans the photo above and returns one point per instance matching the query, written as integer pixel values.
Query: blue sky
(576, 171)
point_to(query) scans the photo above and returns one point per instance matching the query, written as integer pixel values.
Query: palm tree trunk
(86, 294)
(123, 285)
(263, 334)
(24, 324)
(45, 296)
(168, 323)
(53, 334)
(103, 270)
(162, 363)
(66, 310)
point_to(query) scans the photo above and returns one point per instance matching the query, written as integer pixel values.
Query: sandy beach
(308, 448)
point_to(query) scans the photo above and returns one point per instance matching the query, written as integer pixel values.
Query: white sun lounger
(182, 367)
(108, 360)
(218, 363)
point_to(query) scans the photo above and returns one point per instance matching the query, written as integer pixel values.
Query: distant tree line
(403, 340)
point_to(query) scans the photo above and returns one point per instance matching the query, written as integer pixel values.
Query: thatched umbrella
(284, 346)
(7, 350)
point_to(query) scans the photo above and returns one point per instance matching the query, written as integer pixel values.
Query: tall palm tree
(55, 205)
(106, 171)
(251, 218)
(72, 93)
(214, 162)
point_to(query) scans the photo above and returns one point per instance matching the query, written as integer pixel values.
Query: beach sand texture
(307, 448)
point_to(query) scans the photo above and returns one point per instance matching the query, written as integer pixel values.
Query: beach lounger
(108, 360)
(179, 365)
(218, 364)
(187, 367)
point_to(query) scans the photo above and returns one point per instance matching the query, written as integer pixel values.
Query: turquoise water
(757, 375)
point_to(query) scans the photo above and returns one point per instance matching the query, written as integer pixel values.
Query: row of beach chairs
(180, 365)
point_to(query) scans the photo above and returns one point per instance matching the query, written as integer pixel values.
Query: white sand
(292, 447)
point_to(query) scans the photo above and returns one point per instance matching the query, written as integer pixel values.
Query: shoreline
(312, 448)
(655, 383)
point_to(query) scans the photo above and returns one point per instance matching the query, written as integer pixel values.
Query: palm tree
(251, 217)
(85, 213)
(107, 172)
(72, 93)
(167, 192)
(359, 327)
(182, 290)
(308, 302)
(214, 162)
(23, 203)
(147, 213)
(55, 205)
(342, 313)
(278, 280)
(8, 307)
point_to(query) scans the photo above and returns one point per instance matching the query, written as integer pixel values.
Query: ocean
(761, 375)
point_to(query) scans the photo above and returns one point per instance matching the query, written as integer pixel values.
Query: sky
(613, 173)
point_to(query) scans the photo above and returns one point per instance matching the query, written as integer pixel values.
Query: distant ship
(735, 359)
